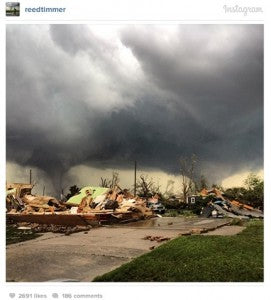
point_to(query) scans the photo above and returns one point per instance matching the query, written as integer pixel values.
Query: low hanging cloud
(104, 96)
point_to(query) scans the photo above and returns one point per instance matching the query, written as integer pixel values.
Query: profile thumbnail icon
(12, 9)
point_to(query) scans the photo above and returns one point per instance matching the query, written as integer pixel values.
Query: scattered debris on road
(157, 239)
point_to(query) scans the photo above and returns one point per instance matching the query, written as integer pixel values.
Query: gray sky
(104, 96)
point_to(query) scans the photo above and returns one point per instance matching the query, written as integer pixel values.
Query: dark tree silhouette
(74, 189)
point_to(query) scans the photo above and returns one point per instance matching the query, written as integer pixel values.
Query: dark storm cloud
(78, 96)
(205, 67)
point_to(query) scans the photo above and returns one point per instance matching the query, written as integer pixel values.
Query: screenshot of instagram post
(135, 148)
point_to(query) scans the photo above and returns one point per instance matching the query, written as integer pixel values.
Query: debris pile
(41, 228)
(116, 201)
(19, 199)
(92, 205)
(220, 207)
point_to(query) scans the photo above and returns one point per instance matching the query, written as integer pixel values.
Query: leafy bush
(171, 213)
(174, 204)
(187, 213)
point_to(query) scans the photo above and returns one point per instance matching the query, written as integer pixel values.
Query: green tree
(235, 193)
(254, 193)
(253, 182)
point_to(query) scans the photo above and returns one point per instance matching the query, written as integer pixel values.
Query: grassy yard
(14, 235)
(198, 258)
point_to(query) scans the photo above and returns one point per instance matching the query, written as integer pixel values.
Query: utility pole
(30, 176)
(135, 180)
(43, 191)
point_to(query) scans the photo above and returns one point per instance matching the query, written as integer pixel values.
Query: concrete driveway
(82, 256)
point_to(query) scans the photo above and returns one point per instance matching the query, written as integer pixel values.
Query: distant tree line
(191, 183)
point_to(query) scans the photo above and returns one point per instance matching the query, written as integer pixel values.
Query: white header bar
(152, 10)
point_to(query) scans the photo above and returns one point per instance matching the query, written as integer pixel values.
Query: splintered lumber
(92, 204)
(157, 239)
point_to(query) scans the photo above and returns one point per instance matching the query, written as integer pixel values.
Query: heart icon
(11, 295)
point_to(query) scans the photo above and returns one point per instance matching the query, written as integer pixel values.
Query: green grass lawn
(14, 235)
(198, 258)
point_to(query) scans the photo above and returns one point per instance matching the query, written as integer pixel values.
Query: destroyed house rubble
(220, 206)
(91, 206)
